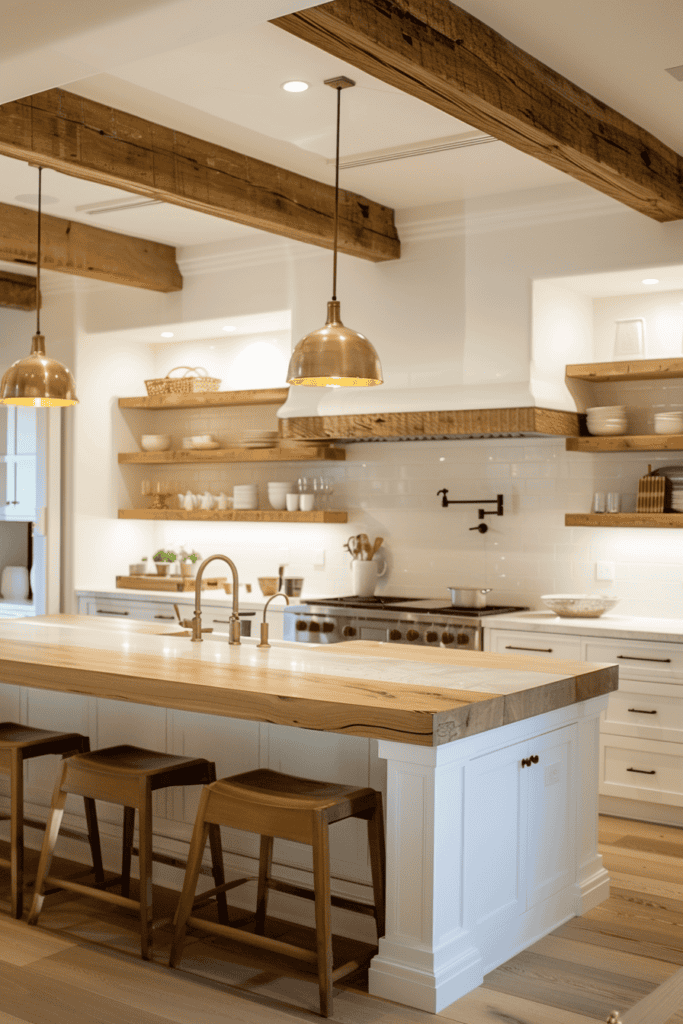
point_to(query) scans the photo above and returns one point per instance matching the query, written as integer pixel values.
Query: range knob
(301, 625)
(328, 627)
(431, 637)
(462, 638)
(314, 627)
(412, 634)
(349, 631)
(447, 638)
(394, 634)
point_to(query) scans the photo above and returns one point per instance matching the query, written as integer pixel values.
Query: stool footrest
(309, 894)
(86, 890)
(206, 897)
(262, 941)
(349, 967)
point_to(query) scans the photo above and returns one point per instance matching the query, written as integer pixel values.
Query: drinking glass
(302, 485)
(614, 501)
(319, 491)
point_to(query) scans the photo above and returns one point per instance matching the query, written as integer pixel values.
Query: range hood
(503, 410)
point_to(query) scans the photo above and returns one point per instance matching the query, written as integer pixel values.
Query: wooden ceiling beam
(451, 60)
(88, 140)
(17, 291)
(74, 248)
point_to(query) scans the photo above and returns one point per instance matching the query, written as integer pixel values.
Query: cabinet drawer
(646, 710)
(636, 660)
(542, 645)
(641, 769)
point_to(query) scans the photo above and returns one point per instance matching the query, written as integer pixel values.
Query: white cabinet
(18, 440)
(641, 746)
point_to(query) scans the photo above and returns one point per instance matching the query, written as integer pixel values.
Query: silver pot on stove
(469, 597)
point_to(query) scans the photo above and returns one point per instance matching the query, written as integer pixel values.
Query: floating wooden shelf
(207, 399)
(633, 443)
(306, 453)
(632, 369)
(230, 516)
(660, 520)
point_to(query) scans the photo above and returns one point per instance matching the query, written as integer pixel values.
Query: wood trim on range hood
(411, 426)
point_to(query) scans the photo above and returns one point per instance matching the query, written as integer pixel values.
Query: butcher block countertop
(388, 691)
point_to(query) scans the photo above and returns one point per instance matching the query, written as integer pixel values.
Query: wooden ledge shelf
(658, 520)
(231, 516)
(627, 443)
(306, 453)
(631, 369)
(207, 399)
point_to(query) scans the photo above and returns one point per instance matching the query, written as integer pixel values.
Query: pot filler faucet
(195, 623)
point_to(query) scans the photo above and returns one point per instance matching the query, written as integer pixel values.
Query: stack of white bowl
(277, 494)
(245, 496)
(259, 438)
(668, 422)
(607, 419)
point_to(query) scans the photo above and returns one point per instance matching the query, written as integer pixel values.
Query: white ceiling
(213, 68)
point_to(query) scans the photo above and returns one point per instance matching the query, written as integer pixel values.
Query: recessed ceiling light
(295, 86)
(167, 334)
(229, 329)
(650, 280)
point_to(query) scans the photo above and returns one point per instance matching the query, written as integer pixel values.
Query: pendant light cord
(336, 201)
(40, 173)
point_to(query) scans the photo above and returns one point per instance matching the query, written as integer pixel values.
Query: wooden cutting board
(177, 584)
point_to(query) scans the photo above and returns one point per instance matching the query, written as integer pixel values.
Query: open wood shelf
(186, 456)
(626, 443)
(660, 520)
(207, 399)
(631, 369)
(231, 516)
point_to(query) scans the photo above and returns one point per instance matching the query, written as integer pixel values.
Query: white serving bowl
(579, 606)
(155, 442)
(606, 429)
(277, 501)
(606, 410)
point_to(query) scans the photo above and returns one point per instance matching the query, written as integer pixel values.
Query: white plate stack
(277, 494)
(604, 420)
(675, 475)
(259, 438)
(245, 497)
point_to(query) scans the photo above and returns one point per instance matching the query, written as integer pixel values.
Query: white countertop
(217, 598)
(623, 627)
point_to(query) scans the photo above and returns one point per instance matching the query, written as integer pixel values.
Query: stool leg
(218, 871)
(194, 863)
(17, 833)
(145, 865)
(377, 863)
(53, 823)
(94, 839)
(264, 868)
(323, 910)
(127, 848)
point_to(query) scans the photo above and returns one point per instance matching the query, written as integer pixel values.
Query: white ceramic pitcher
(364, 575)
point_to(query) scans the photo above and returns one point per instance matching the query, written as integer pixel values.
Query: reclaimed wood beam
(88, 140)
(74, 248)
(451, 60)
(17, 291)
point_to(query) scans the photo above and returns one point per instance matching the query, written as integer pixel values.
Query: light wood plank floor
(81, 965)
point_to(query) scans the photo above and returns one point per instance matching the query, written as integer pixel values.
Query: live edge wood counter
(387, 691)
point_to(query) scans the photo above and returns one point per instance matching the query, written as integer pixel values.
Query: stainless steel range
(401, 620)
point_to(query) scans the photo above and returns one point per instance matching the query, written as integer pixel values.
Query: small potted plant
(188, 563)
(138, 568)
(163, 559)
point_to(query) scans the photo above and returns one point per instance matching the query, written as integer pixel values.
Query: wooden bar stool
(125, 775)
(301, 810)
(18, 743)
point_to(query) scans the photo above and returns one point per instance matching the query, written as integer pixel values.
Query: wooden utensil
(375, 547)
(364, 545)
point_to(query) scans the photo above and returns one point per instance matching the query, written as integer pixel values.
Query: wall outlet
(604, 570)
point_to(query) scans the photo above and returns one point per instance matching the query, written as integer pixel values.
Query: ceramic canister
(14, 583)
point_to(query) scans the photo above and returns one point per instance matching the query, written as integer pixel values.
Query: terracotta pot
(187, 568)
(162, 568)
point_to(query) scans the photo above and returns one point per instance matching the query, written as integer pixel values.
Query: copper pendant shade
(37, 380)
(335, 356)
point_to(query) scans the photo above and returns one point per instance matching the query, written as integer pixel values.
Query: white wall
(456, 307)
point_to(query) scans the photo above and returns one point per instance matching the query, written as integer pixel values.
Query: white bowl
(277, 501)
(607, 429)
(155, 442)
(202, 439)
(579, 606)
(606, 410)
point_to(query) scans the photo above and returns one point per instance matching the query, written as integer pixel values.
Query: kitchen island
(491, 787)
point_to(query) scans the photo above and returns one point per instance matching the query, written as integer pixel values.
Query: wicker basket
(182, 385)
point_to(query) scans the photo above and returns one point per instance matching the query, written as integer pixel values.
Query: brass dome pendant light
(37, 380)
(335, 356)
